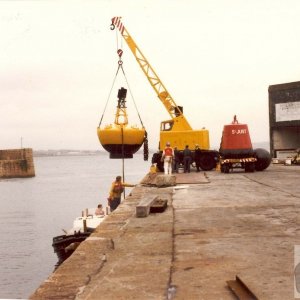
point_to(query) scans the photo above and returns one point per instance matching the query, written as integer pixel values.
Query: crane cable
(109, 95)
(120, 66)
(114, 80)
(120, 52)
(132, 96)
(146, 149)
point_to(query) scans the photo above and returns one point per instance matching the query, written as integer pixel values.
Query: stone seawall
(16, 163)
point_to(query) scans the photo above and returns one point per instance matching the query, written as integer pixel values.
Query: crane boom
(180, 122)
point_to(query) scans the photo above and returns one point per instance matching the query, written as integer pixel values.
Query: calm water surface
(34, 210)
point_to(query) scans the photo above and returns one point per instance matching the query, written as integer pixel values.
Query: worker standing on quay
(197, 157)
(167, 157)
(176, 160)
(115, 193)
(187, 159)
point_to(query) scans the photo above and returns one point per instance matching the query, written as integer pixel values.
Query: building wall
(16, 163)
(284, 117)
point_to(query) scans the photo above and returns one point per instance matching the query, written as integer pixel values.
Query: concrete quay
(216, 226)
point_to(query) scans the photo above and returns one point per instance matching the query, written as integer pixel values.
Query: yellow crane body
(181, 138)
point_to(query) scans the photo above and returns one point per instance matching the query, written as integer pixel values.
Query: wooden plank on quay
(143, 208)
(240, 289)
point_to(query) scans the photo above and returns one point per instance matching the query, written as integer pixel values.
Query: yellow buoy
(120, 139)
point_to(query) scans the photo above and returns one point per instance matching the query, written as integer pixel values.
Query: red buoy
(236, 140)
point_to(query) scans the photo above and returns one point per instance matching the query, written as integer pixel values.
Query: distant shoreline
(49, 153)
(39, 153)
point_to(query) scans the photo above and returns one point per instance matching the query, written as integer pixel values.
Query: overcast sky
(216, 58)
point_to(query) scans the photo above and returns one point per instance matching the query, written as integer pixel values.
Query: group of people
(172, 161)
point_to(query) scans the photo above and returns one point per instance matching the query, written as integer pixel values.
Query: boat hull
(65, 245)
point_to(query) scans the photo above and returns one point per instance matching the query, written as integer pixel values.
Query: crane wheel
(250, 167)
(226, 168)
(207, 162)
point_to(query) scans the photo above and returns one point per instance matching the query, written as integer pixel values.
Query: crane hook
(120, 52)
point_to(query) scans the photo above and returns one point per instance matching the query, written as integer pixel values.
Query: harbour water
(34, 210)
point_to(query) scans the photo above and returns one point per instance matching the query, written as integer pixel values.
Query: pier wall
(16, 163)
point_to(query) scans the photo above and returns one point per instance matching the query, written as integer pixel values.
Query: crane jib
(151, 75)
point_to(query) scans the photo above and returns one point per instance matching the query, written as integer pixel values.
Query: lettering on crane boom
(239, 131)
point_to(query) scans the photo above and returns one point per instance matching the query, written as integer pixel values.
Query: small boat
(64, 245)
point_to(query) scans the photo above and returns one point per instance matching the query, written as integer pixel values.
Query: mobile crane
(177, 130)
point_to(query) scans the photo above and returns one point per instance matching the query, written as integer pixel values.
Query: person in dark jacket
(176, 160)
(197, 157)
(187, 159)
